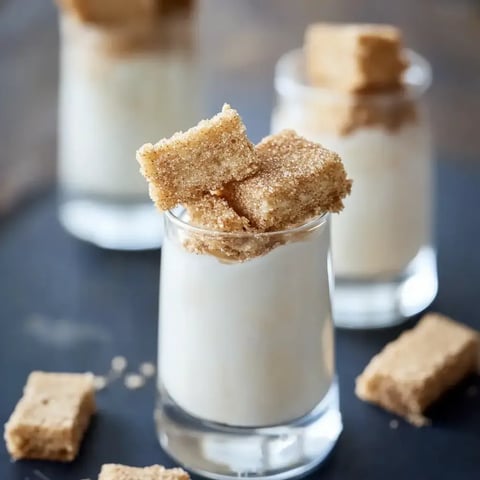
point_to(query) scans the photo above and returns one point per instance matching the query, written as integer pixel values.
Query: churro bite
(214, 213)
(297, 180)
(354, 57)
(183, 168)
(51, 418)
(112, 471)
(413, 371)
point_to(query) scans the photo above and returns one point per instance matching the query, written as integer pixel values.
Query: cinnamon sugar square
(155, 472)
(183, 168)
(354, 57)
(51, 418)
(297, 180)
(214, 213)
(413, 371)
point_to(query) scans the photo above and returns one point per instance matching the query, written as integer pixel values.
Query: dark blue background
(65, 305)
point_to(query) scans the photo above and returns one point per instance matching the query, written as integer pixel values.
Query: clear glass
(246, 377)
(120, 86)
(383, 254)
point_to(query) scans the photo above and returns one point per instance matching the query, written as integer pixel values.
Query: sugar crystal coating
(185, 167)
(214, 213)
(413, 371)
(297, 180)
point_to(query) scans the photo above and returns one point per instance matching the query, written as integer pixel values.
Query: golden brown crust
(344, 114)
(410, 373)
(183, 168)
(354, 57)
(297, 180)
(149, 34)
(214, 213)
(51, 418)
(117, 12)
(155, 472)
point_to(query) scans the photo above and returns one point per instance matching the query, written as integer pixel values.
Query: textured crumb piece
(119, 364)
(50, 419)
(147, 369)
(214, 213)
(134, 381)
(416, 369)
(110, 11)
(155, 472)
(181, 169)
(234, 249)
(354, 57)
(297, 180)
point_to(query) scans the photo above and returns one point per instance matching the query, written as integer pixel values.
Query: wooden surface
(239, 43)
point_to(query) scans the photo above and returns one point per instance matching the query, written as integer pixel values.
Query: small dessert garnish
(413, 371)
(156, 472)
(297, 180)
(183, 168)
(214, 212)
(227, 185)
(51, 418)
(354, 58)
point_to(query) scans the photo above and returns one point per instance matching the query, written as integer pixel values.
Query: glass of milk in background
(383, 255)
(124, 80)
(246, 373)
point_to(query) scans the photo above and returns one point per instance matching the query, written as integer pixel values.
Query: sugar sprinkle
(119, 364)
(134, 381)
(147, 369)
(393, 424)
(99, 382)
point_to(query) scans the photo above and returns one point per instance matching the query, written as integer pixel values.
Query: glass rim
(417, 79)
(312, 223)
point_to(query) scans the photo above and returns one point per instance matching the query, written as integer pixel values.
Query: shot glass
(121, 85)
(246, 377)
(383, 253)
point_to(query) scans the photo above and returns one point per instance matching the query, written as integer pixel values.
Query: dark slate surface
(65, 305)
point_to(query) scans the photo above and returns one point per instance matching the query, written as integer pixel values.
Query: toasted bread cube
(414, 370)
(156, 472)
(51, 418)
(354, 57)
(183, 168)
(297, 180)
(214, 213)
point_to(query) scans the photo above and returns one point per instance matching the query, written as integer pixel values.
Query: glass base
(384, 303)
(116, 226)
(222, 452)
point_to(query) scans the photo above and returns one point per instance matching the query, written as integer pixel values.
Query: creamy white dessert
(249, 343)
(387, 218)
(113, 101)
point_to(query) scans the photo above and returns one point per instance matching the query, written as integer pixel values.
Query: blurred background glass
(127, 77)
